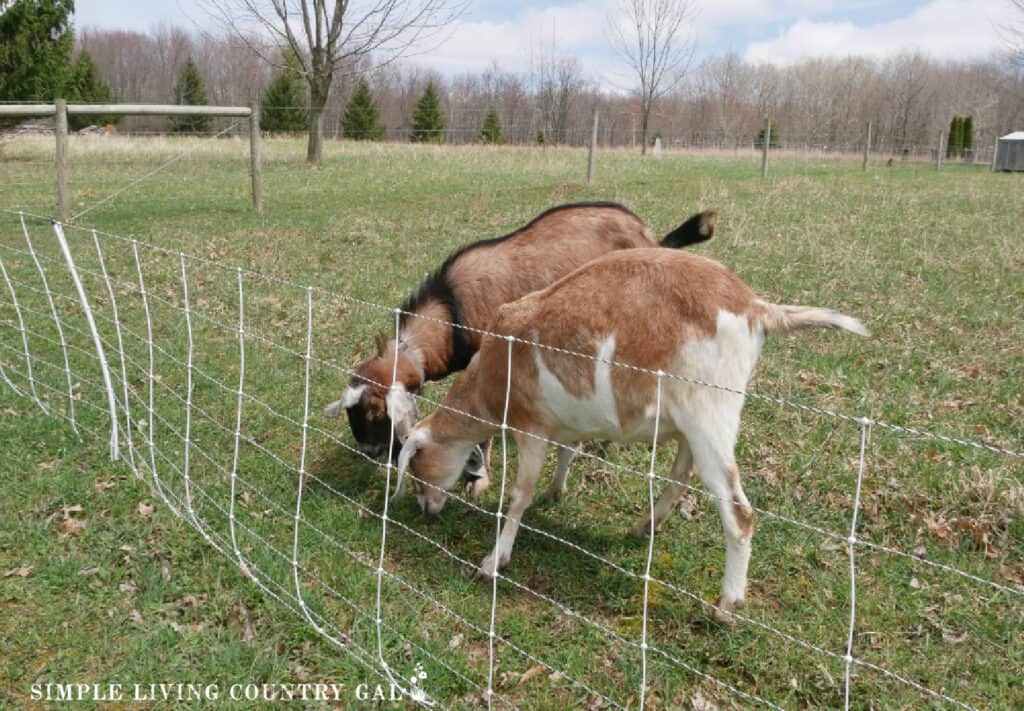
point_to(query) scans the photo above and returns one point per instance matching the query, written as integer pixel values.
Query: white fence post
(100, 353)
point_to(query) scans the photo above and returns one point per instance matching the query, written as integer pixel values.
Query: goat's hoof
(642, 529)
(490, 567)
(724, 609)
(551, 496)
(476, 487)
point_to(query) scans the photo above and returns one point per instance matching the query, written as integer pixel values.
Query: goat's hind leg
(556, 490)
(716, 466)
(682, 470)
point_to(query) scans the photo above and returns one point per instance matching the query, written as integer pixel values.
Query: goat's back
(655, 309)
(488, 274)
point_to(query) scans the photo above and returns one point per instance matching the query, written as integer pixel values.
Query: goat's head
(434, 467)
(372, 400)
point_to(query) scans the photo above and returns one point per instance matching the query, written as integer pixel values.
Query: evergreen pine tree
(968, 133)
(491, 131)
(360, 121)
(35, 48)
(189, 90)
(541, 138)
(954, 138)
(283, 106)
(427, 121)
(774, 142)
(87, 86)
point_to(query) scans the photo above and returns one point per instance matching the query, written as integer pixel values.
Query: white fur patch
(413, 444)
(592, 416)
(349, 398)
(401, 409)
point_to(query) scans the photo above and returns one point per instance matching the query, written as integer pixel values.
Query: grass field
(103, 584)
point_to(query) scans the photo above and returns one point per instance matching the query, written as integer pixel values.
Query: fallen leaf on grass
(915, 583)
(145, 509)
(102, 486)
(48, 464)
(22, 572)
(455, 641)
(71, 527)
(89, 571)
(10, 412)
(699, 702)
(688, 506)
(954, 637)
(128, 586)
(531, 672)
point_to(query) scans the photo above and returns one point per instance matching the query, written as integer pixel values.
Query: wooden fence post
(254, 157)
(867, 147)
(60, 130)
(938, 153)
(764, 147)
(995, 153)
(593, 143)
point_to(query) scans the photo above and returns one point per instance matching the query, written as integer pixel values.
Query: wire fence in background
(795, 148)
(204, 376)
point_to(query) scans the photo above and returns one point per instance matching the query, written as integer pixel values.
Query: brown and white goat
(661, 310)
(468, 289)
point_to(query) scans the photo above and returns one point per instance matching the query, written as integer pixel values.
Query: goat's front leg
(478, 469)
(531, 460)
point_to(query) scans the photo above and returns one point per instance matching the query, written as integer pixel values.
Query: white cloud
(945, 29)
(572, 29)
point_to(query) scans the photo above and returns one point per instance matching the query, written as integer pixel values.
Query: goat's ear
(409, 449)
(382, 344)
(349, 398)
(402, 410)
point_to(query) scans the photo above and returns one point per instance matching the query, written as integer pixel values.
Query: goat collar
(413, 357)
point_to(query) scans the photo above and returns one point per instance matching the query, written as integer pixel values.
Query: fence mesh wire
(216, 379)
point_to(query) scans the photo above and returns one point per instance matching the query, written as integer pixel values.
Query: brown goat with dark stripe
(467, 290)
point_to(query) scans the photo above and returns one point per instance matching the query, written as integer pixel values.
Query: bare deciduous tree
(1015, 34)
(651, 36)
(328, 34)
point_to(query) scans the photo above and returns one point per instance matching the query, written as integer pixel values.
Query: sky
(771, 31)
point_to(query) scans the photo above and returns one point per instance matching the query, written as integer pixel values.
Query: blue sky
(776, 31)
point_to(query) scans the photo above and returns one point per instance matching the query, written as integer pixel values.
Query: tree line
(722, 101)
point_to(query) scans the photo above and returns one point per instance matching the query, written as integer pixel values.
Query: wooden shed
(1010, 152)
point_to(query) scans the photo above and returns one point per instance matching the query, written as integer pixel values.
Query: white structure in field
(1010, 152)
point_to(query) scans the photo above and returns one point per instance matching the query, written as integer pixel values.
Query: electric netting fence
(208, 380)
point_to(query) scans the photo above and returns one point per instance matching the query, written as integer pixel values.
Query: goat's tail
(699, 228)
(784, 317)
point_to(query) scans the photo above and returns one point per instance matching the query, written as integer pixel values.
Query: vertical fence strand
(497, 525)
(24, 342)
(650, 542)
(851, 543)
(56, 320)
(120, 352)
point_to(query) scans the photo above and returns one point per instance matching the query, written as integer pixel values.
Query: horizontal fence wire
(183, 474)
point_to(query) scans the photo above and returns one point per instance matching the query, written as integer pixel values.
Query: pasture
(108, 585)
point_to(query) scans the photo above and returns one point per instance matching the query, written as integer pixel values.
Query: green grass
(933, 263)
